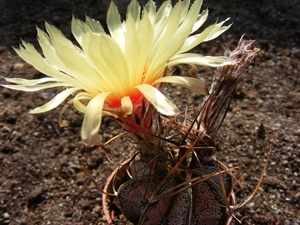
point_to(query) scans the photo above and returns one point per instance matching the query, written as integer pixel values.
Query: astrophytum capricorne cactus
(190, 186)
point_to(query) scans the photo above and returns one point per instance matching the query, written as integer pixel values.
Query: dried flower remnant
(115, 74)
(224, 85)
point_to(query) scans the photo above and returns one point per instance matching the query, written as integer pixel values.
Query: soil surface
(42, 180)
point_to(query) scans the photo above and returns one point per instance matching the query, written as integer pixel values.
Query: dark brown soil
(41, 178)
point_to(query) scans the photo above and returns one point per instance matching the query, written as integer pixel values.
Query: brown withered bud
(225, 82)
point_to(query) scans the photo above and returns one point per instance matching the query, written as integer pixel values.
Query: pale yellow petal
(109, 61)
(78, 28)
(73, 61)
(194, 84)
(208, 34)
(176, 32)
(200, 21)
(150, 8)
(145, 35)
(28, 53)
(158, 100)
(217, 30)
(185, 8)
(163, 41)
(131, 49)
(114, 24)
(196, 59)
(94, 25)
(127, 106)
(163, 13)
(48, 50)
(54, 102)
(27, 82)
(96, 56)
(92, 119)
(37, 87)
(134, 10)
(79, 98)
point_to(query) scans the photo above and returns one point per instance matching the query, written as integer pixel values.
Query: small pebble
(251, 204)
(285, 162)
(287, 222)
(18, 66)
(36, 193)
(297, 196)
(80, 178)
(6, 215)
(2, 48)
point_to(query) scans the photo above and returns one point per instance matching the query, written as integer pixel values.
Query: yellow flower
(112, 74)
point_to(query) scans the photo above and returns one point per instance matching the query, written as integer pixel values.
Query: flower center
(114, 102)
